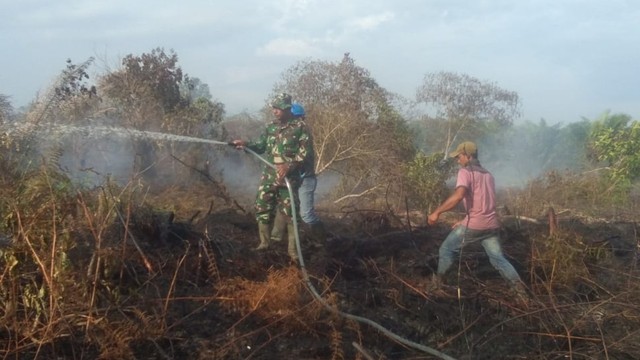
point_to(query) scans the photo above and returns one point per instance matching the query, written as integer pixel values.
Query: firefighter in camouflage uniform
(285, 142)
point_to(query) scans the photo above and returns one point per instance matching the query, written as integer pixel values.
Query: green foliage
(44, 198)
(426, 176)
(37, 210)
(615, 140)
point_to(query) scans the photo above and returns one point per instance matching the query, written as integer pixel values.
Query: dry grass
(585, 195)
(282, 297)
(117, 273)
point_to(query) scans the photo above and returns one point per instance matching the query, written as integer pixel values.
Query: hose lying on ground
(317, 296)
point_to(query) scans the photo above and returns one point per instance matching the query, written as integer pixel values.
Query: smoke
(241, 175)
(240, 172)
(91, 155)
(89, 162)
(327, 181)
(529, 151)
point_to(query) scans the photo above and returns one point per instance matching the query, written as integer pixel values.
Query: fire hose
(315, 293)
(312, 289)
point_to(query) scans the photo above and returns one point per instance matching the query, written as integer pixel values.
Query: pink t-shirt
(479, 199)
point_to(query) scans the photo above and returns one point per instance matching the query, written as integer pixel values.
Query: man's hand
(282, 170)
(432, 218)
(447, 205)
(239, 144)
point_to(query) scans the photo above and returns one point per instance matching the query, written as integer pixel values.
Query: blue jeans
(305, 195)
(490, 239)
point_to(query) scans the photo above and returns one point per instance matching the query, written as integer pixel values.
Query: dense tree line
(380, 145)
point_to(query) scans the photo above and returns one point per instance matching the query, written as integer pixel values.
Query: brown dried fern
(212, 264)
(281, 296)
(337, 352)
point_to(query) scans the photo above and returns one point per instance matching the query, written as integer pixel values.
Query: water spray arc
(104, 131)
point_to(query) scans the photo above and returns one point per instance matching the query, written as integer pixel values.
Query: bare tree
(466, 105)
(70, 99)
(357, 133)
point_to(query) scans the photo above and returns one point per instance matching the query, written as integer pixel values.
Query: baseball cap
(467, 148)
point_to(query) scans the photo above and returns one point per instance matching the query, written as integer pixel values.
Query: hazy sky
(565, 58)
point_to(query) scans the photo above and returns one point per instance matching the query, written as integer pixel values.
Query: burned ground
(186, 284)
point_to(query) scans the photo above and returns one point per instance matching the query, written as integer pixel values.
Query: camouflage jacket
(288, 143)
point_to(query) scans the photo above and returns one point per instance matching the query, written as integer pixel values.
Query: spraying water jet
(104, 131)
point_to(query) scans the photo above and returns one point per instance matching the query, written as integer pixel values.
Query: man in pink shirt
(475, 187)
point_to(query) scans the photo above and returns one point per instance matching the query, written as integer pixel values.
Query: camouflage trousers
(273, 197)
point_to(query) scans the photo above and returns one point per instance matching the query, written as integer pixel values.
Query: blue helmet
(297, 110)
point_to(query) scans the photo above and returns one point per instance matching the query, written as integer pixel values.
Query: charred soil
(187, 284)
